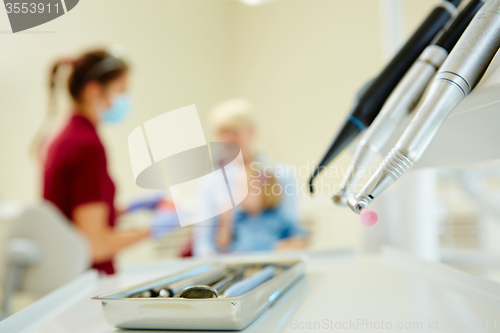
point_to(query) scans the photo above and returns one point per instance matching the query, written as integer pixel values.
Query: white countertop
(341, 292)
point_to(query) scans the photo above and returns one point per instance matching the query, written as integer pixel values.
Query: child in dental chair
(258, 223)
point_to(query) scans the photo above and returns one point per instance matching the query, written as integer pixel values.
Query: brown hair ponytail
(51, 114)
(52, 107)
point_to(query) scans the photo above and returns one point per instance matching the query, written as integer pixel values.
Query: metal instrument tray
(230, 313)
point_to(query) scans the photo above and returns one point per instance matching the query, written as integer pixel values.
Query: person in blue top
(268, 218)
(258, 223)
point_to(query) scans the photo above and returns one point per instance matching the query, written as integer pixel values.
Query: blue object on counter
(147, 202)
(252, 282)
(164, 222)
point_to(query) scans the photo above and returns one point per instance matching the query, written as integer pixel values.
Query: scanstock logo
(170, 151)
(28, 14)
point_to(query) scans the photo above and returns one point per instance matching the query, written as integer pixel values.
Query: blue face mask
(119, 109)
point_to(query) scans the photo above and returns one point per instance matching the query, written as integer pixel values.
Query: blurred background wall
(299, 61)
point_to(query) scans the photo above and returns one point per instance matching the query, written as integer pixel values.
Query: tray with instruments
(215, 296)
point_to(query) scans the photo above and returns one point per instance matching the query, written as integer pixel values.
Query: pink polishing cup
(368, 217)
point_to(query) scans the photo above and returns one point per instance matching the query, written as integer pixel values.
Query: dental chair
(43, 251)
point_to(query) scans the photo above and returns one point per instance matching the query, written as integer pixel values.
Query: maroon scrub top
(75, 173)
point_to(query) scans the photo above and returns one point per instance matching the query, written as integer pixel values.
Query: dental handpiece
(210, 274)
(371, 101)
(205, 291)
(459, 74)
(402, 100)
(244, 286)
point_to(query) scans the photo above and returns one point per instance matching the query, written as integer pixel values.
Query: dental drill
(371, 101)
(458, 75)
(403, 99)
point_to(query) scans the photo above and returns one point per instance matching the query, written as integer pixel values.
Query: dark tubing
(348, 132)
(375, 96)
(455, 2)
(451, 36)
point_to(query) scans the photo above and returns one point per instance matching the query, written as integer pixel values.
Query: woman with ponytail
(75, 176)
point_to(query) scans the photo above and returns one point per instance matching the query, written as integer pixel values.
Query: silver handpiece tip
(358, 202)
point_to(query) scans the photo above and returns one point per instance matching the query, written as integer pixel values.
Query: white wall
(299, 61)
(302, 62)
(178, 50)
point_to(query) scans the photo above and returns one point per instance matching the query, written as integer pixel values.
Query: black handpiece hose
(451, 36)
(372, 100)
